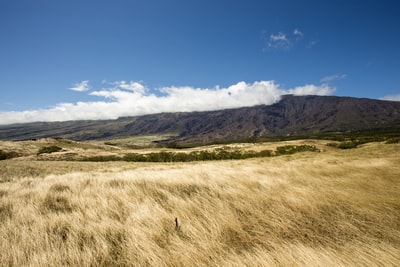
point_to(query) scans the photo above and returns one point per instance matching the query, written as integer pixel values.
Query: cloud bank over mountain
(133, 98)
(391, 97)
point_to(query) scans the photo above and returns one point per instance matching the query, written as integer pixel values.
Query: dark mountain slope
(296, 115)
(293, 115)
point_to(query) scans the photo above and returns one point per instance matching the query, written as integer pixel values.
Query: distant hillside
(293, 115)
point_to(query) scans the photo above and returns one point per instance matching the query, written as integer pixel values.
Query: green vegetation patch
(288, 150)
(204, 155)
(49, 149)
(8, 155)
(102, 158)
(224, 153)
(394, 140)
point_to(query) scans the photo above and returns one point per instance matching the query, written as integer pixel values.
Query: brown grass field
(332, 208)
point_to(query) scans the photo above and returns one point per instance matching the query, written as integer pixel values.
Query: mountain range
(291, 116)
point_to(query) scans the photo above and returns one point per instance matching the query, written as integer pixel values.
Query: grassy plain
(332, 208)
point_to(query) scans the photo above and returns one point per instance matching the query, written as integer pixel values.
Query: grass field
(333, 208)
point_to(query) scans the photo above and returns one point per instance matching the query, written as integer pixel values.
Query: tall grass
(336, 208)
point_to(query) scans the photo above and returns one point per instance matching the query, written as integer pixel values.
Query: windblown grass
(336, 208)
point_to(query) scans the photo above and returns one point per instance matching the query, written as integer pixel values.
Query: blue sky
(90, 59)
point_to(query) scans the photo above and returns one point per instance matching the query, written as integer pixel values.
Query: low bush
(348, 145)
(355, 141)
(8, 155)
(49, 149)
(224, 153)
(394, 140)
(102, 158)
(289, 149)
(265, 153)
(134, 157)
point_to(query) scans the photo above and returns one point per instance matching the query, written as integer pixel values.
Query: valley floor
(333, 208)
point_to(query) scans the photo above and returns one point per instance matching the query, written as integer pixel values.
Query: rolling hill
(292, 116)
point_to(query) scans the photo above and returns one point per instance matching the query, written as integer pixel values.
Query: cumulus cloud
(80, 87)
(391, 97)
(130, 86)
(132, 98)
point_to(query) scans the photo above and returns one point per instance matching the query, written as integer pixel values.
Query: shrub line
(218, 154)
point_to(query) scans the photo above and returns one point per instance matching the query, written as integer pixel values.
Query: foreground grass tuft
(6, 211)
(59, 188)
(56, 203)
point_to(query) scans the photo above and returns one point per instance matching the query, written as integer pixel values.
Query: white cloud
(131, 86)
(282, 40)
(311, 89)
(80, 87)
(279, 37)
(331, 78)
(132, 98)
(298, 33)
(391, 97)
(279, 41)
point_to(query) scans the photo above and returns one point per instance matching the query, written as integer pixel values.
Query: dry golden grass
(335, 208)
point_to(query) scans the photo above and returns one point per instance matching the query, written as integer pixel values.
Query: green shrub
(110, 143)
(394, 140)
(265, 153)
(49, 149)
(224, 153)
(182, 157)
(102, 158)
(8, 155)
(289, 149)
(348, 145)
(134, 157)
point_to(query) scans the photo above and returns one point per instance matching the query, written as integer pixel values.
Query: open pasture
(329, 208)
